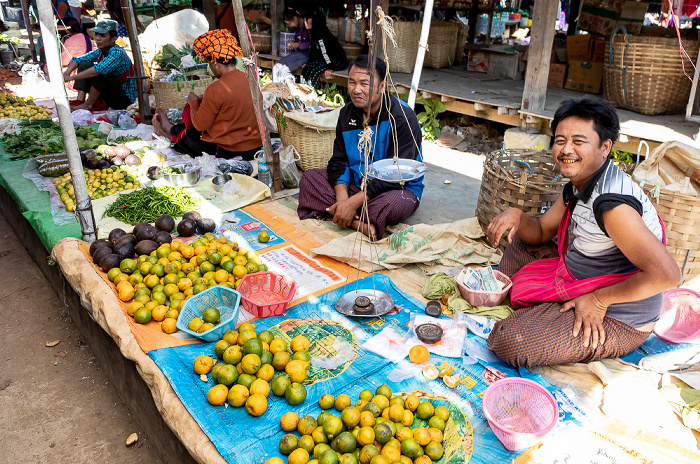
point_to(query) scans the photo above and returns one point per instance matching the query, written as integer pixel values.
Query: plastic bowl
(266, 294)
(679, 321)
(483, 298)
(519, 411)
(225, 299)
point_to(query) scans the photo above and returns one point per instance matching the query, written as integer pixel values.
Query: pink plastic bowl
(519, 411)
(680, 317)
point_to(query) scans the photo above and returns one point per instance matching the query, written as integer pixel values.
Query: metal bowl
(187, 179)
(220, 180)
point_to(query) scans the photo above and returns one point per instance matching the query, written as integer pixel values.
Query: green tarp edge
(34, 204)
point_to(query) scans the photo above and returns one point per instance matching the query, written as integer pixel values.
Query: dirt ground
(56, 403)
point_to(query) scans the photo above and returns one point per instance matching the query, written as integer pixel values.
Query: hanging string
(683, 53)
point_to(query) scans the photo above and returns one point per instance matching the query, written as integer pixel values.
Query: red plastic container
(483, 298)
(266, 294)
(679, 321)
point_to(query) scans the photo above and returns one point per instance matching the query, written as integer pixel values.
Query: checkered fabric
(217, 44)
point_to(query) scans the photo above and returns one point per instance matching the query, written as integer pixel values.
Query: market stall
(351, 338)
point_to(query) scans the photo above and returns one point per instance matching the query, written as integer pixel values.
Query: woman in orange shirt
(222, 122)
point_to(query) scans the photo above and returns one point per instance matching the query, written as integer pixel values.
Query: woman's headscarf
(218, 44)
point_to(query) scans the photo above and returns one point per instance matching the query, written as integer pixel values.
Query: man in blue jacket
(337, 190)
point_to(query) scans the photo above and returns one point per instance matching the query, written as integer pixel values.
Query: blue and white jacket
(399, 134)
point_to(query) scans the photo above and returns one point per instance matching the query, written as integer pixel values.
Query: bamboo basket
(462, 35)
(174, 94)
(402, 58)
(523, 179)
(315, 147)
(262, 41)
(646, 74)
(442, 43)
(681, 216)
(352, 51)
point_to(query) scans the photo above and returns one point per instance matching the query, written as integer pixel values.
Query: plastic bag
(160, 143)
(288, 167)
(230, 188)
(343, 353)
(450, 345)
(61, 216)
(125, 121)
(236, 165)
(82, 117)
(113, 116)
(208, 163)
(389, 344)
(178, 29)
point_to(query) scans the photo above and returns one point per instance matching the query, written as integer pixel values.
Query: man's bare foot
(163, 120)
(369, 230)
(157, 127)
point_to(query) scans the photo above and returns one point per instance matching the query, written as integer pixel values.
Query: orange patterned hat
(219, 43)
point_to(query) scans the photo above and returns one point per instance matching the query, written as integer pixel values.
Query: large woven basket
(681, 216)
(262, 41)
(315, 147)
(352, 50)
(647, 76)
(523, 179)
(402, 58)
(462, 35)
(174, 94)
(442, 43)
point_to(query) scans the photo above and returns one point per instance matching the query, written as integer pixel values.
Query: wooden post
(539, 56)
(83, 204)
(142, 92)
(272, 158)
(276, 14)
(209, 8)
(422, 45)
(28, 25)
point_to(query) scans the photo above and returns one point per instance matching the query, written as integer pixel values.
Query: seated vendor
(222, 122)
(104, 74)
(393, 131)
(598, 295)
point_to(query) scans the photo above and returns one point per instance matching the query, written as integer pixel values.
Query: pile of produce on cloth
(41, 137)
(21, 108)
(100, 183)
(156, 274)
(252, 366)
(147, 204)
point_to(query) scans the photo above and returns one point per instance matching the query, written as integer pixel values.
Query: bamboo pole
(28, 26)
(83, 205)
(142, 91)
(251, 65)
(422, 45)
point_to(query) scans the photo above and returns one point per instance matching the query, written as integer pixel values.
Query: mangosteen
(194, 215)
(128, 238)
(146, 247)
(163, 237)
(146, 233)
(153, 172)
(186, 228)
(92, 163)
(165, 223)
(103, 163)
(205, 225)
(99, 243)
(138, 227)
(100, 253)
(115, 234)
(109, 262)
(125, 250)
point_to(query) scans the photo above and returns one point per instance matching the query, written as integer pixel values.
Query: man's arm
(344, 210)
(533, 231)
(657, 272)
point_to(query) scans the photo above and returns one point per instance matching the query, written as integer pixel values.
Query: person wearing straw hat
(222, 122)
(105, 74)
(598, 295)
(336, 192)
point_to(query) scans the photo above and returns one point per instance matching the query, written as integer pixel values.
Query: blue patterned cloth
(115, 62)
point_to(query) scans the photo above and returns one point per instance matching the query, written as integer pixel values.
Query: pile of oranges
(156, 286)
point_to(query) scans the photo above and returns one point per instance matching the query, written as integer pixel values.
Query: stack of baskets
(402, 58)
(523, 179)
(647, 74)
(173, 94)
(262, 41)
(442, 45)
(462, 35)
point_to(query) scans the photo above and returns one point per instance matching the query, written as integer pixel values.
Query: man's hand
(589, 312)
(67, 77)
(343, 212)
(508, 220)
(192, 98)
(327, 72)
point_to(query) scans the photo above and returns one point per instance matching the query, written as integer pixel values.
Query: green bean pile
(147, 204)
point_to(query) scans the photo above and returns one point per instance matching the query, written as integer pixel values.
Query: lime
(142, 316)
(296, 394)
(211, 315)
(263, 236)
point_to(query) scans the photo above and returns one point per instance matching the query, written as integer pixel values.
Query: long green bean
(147, 204)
